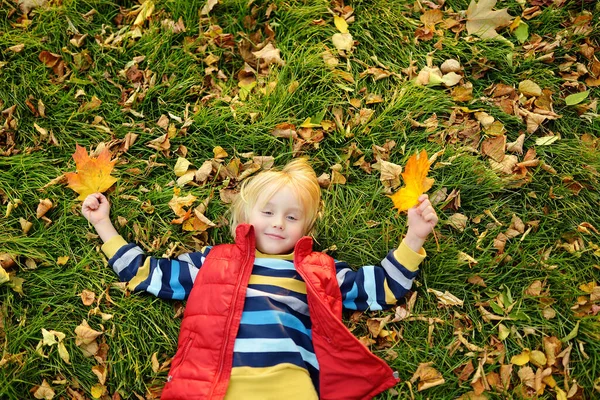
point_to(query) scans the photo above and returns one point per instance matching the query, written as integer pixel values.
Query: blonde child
(263, 316)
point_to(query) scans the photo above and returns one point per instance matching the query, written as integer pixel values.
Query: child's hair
(298, 174)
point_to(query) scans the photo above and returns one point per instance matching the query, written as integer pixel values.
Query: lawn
(507, 301)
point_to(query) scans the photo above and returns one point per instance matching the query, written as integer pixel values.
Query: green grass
(143, 325)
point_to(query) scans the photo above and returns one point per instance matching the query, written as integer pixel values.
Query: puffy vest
(202, 366)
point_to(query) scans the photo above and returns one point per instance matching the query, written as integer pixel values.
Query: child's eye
(292, 218)
(267, 213)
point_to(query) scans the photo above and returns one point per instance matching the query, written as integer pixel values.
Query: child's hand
(421, 221)
(96, 208)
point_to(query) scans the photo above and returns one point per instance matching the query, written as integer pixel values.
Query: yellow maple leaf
(415, 180)
(93, 173)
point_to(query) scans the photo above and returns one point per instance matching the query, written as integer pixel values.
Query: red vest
(202, 366)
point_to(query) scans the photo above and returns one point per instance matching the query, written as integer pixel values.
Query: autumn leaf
(3, 276)
(44, 391)
(428, 376)
(482, 21)
(85, 334)
(415, 180)
(93, 173)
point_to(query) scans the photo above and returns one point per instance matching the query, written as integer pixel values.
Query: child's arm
(164, 278)
(379, 287)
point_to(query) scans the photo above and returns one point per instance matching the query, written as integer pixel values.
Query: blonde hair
(297, 174)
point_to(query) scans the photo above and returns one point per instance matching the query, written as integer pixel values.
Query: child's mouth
(274, 236)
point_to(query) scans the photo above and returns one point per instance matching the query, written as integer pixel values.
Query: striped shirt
(275, 328)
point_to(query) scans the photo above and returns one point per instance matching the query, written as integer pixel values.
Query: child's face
(279, 223)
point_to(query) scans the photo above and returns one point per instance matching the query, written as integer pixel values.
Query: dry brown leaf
(100, 371)
(25, 225)
(428, 376)
(494, 148)
(343, 41)
(210, 4)
(285, 130)
(336, 175)
(530, 88)
(155, 364)
(535, 288)
(376, 325)
(446, 298)
(43, 207)
(390, 174)
(477, 280)
(63, 353)
(88, 297)
(527, 377)
(458, 221)
(85, 334)
(44, 391)
(483, 22)
(269, 55)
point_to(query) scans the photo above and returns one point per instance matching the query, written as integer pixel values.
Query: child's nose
(278, 223)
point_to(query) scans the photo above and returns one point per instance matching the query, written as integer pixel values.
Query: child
(263, 317)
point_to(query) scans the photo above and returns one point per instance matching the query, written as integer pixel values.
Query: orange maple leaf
(415, 180)
(93, 173)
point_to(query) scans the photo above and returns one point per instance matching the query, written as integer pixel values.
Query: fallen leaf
(458, 221)
(503, 332)
(93, 173)
(285, 130)
(43, 207)
(376, 325)
(270, 55)
(155, 364)
(415, 180)
(100, 371)
(537, 358)
(177, 203)
(28, 5)
(98, 390)
(446, 298)
(63, 353)
(482, 21)
(219, 152)
(48, 338)
(25, 225)
(181, 166)
(85, 334)
(521, 359)
(576, 98)
(343, 41)
(210, 4)
(428, 376)
(144, 12)
(527, 376)
(62, 260)
(88, 297)
(390, 174)
(44, 391)
(530, 88)
(4, 277)
(477, 280)
(450, 65)
(340, 24)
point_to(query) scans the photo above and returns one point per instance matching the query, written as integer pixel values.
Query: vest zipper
(229, 320)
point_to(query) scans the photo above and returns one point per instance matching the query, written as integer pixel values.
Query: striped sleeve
(378, 287)
(163, 277)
